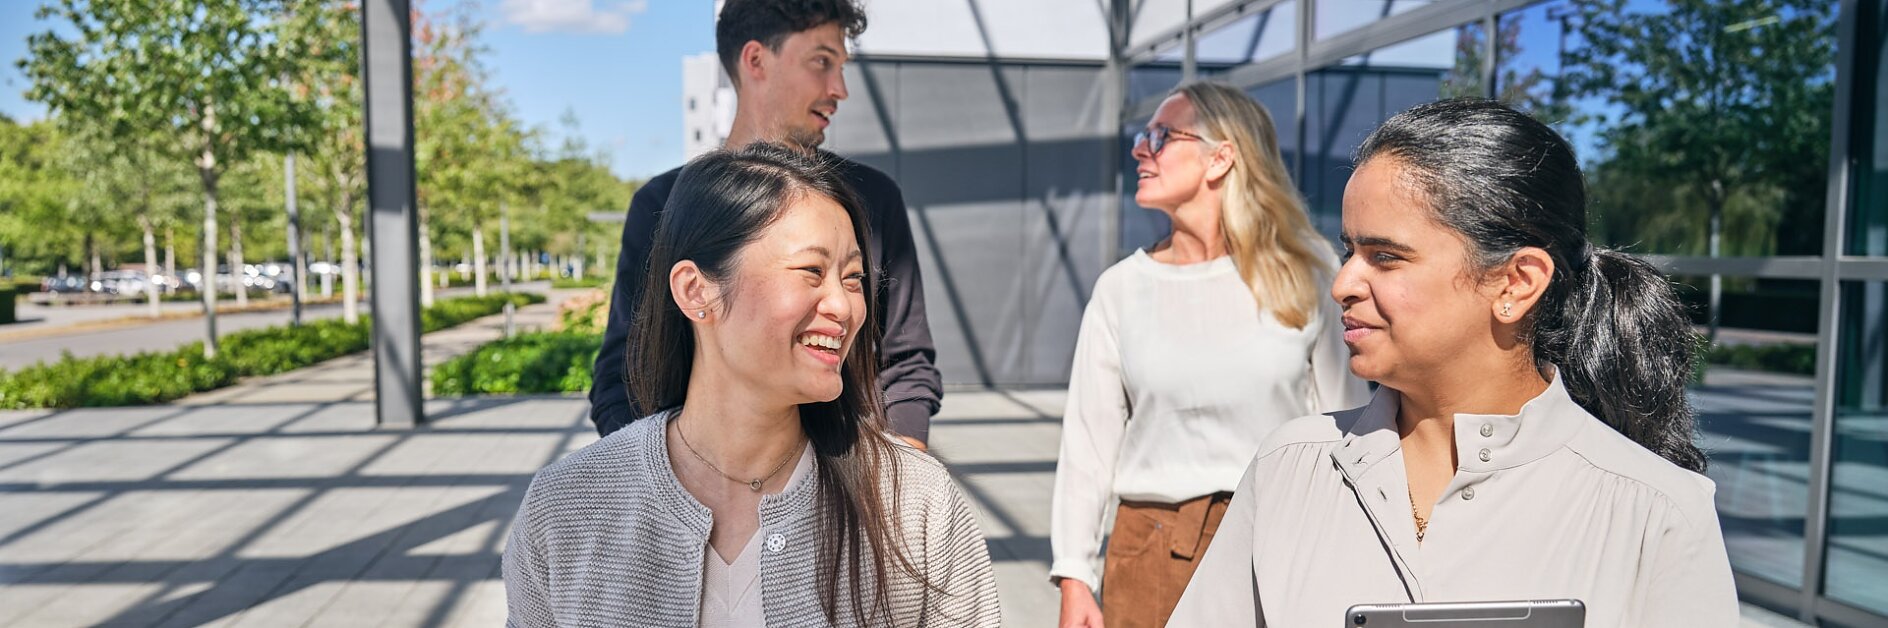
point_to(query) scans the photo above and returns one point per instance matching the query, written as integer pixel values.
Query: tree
(469, 151)
(115, 177)
(1721, 102)
(34, 232)
(205, 77)
(336, 172)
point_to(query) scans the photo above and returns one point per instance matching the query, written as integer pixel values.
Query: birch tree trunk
(150, 263)
(350, 263)
(426, 263)
(236, 274)
(478, 259)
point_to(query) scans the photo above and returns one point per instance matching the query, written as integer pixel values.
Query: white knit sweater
(608, 537)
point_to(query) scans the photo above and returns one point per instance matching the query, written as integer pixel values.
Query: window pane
(1256, 37)
(1347, 101)
(1868, 223)
(1152, 79)
(1339, 16)
(1684, 110)
(1754, 402)
(1858, 496)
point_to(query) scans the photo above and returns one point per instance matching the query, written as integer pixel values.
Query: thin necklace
(1422, 525)
(754, 484)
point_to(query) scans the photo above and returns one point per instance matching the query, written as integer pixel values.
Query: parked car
(63, 285)
(120, 282)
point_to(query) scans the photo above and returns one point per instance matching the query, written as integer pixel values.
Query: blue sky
(616, 63)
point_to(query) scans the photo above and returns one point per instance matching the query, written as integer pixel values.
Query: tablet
(1518, 614)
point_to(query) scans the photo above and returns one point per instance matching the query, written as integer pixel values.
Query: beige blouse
(1549, 503)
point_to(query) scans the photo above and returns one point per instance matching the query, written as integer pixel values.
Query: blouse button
(1468, 493)
(776, 542)
(1488, 430)
(1484, 454)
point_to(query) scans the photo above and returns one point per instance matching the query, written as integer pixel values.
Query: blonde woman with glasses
(1190, 354)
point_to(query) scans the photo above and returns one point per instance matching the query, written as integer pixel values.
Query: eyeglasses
(1157, 138)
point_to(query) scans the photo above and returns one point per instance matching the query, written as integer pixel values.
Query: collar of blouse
(1483, 442)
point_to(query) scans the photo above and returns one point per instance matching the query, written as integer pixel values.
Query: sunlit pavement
(278, 503)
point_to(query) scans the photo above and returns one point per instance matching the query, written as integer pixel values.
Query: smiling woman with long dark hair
(1531, 438)
(764, 490)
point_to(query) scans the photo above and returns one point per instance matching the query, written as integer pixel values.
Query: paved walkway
(278, 503)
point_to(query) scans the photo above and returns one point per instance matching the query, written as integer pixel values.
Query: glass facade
(1686, 114)
(1858, 501)
(1707, 132)
(1868, 219)
(1346, 101)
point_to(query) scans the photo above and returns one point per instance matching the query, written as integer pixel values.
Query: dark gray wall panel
(1002, 167)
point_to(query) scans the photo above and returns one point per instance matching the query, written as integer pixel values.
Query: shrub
(544, 362)
(1798, 359)
(587, 313)
(145, 378)
(589, 281)
(7, 305)
(160, 376)
(452, 312)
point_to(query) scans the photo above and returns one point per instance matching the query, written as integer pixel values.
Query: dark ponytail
(1610, 322)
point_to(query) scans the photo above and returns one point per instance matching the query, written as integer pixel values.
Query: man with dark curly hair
(785, 59)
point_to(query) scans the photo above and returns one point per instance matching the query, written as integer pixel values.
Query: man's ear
(694, 294)
(753, 62)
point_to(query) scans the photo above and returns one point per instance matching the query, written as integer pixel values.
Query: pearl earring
(701, 314)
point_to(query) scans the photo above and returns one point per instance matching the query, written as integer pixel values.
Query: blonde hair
(1282, 260)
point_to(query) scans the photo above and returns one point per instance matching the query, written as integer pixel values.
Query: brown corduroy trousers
(1151, 556)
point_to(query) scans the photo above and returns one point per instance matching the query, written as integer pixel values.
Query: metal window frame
(1831, 269)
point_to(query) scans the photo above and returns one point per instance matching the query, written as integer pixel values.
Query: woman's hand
(1079, 609)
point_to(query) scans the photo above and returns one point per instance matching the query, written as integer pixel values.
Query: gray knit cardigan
(608, 537)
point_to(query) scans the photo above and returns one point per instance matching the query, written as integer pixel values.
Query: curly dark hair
(771, 21)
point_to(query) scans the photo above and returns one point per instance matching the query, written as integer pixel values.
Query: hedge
(160, 376)
(7, 305)
(1799, 359)
(589, 281)
(541, 362)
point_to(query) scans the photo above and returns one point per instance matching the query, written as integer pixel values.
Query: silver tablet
(1519, 614)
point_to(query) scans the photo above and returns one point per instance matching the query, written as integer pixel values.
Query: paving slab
(278, 502)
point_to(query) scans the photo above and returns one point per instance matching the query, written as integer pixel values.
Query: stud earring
(701, 314)
(1507, 309)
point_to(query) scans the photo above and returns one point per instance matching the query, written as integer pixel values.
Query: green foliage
(547, 362)
(145, 378)
(157, 377)
(281, 349)
(585, 314)
(1798, 359)
(589, 281)
(1706, 108)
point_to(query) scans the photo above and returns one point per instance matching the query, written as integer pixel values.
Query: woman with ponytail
(1190, 353)
(764, 490)
(1531, 437)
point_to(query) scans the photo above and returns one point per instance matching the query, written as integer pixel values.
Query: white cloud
(576, 16)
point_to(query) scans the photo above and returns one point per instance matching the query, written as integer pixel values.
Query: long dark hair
(1610, 322)
(721, 202)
